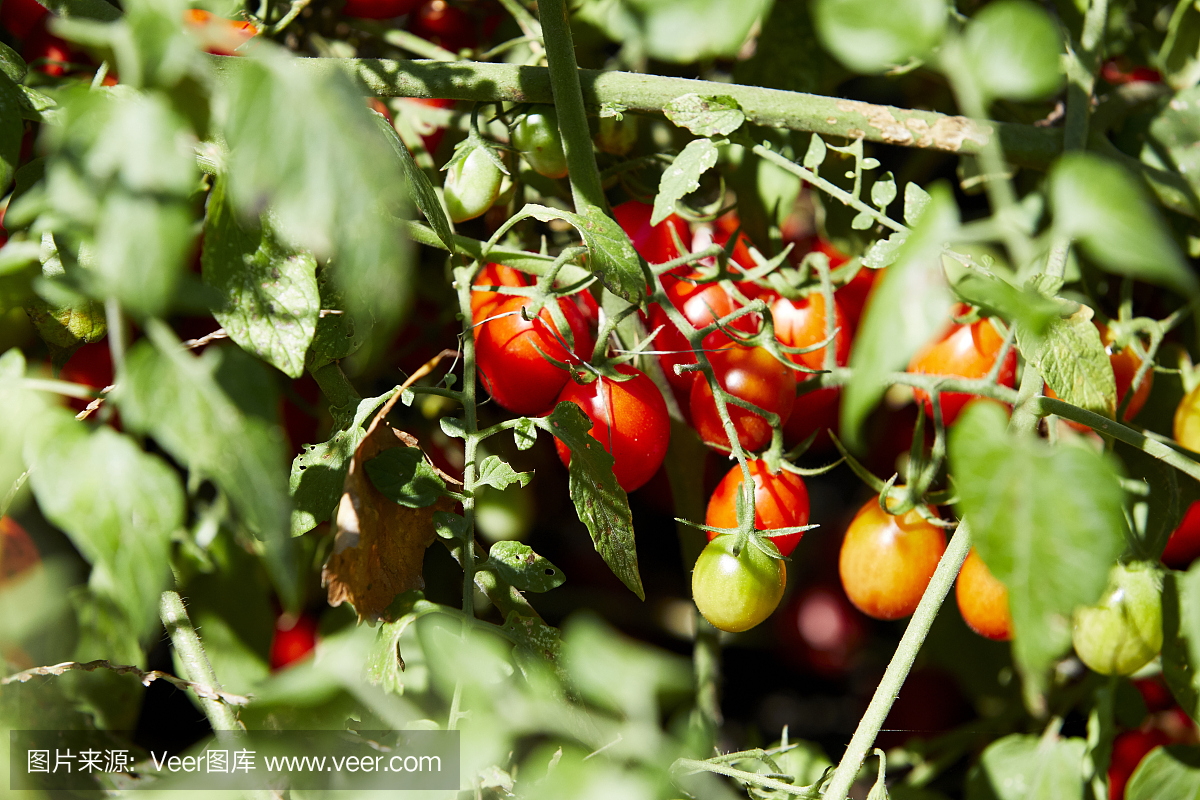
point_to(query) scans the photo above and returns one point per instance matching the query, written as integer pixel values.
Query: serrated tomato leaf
(1048, 521)
(599, 501)
(1072, 359)
(705, 116)
(613, 258)
(271, 300)
(494, 472)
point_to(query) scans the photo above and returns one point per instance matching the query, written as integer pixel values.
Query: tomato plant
(751, 374)
(629, 418)
(1120, 634)
(472, 185)
(886, 561)
(736, 592)
(780, 501)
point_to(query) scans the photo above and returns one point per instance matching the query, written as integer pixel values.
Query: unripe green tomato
(735, 593)
(540, 143)
(472, 185)
(617, 136)
(1123, 632)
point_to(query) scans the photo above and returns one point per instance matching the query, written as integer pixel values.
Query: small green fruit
(1123, 632)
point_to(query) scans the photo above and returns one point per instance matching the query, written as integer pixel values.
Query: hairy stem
(195, 661)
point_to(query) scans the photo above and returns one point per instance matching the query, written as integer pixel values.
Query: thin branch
(146, 678)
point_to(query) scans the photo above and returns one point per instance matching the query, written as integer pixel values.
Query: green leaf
(869, 37)
(270, 292)
(916, 200)
(910, 304)
(1172, 771)
(613, 258)
(778, 63)
(599, 501)
(525, 433)
(304, 144)
(518, 565)
(1020, 767)
(1072, 359)
(1048, 522)
(1181, 637)
(883, 191)
(12, 128)
(814, 156)
(174, 397)
(1030, 310)
(1178, 55)
(119, 506)
(385, 663)
(683, 177)
(1174, 136)
(681, 31)
(11, 64)
(24, 412)
(339, 333)
(494, 472)
(402, 475)
(1105, 208)
(319, 473)
(1014, 51)
(705, 116)
(420, 187)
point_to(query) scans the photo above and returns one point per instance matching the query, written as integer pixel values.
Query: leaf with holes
(517, 564)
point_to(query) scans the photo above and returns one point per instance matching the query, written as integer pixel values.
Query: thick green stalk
(773, 108)
(584, 175)
(195, 662)
(902, 661)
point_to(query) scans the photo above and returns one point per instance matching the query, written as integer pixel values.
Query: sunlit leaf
(1014, 50)
(683, 177)
(868, 36)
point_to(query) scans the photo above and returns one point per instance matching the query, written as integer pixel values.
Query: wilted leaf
(270, 295)
(380, 545)
(705, 116)
(599, 501)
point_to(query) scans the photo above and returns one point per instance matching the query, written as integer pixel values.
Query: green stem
(902, 661)
(584, 175)
(196, 666)
(471, 425)
(1026, 145)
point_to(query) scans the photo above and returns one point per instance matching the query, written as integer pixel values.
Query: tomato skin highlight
(510, 366)
(629, 419)
(801, 323)
(1184, 545)
(537, 138)
(653, 242)
(983, 600)
(1123, 631)
(472, 186)
(754, 375)
(965, 351)
(735, 593)
(378, 9)
(294, 639)
(886, 561)
(780, 501)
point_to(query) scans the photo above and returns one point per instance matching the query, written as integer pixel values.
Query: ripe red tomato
(752, 374)
(801, 323)
(431, 135)
(444, 25)
(1125, 364)
(813, 412)
(90, 365)
(55, 55)
(630, 421)
(886, 561)
(653, 242)
(294, 639)
(221, 37)
(1155, 693)
(510, 366)
(780, 501)
(983, 600)
(822, 630)
(378, 9)
(484, 302)
(17, 550)
(1129, 748)
(735, 593)
(1120, 70)
(856, 293)
(20, 16)
(967, 351)
(1184, 545)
